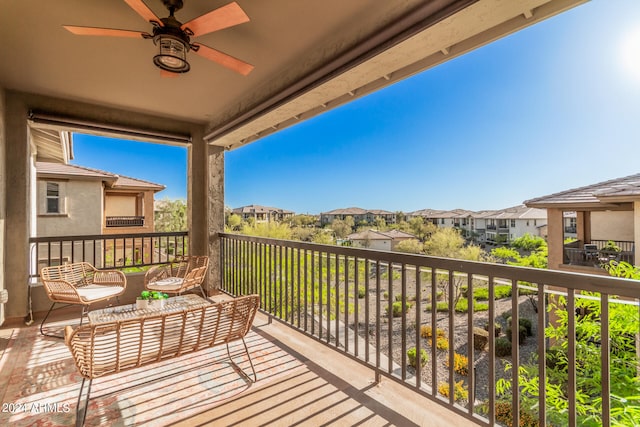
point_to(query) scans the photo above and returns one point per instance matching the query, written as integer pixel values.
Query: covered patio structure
(308, 58)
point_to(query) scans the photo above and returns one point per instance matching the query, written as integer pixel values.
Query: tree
(302, 220)
(341, 227)
(322, 237)
(274, 230)
(171, 215)
(412, 246)
(528, 242)
(233, 222)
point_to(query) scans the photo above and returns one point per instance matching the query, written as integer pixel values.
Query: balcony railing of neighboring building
(491, 227)
(125, 221)
(342, 297)
(108, 250)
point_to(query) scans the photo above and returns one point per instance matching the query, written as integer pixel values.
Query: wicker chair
(181, 275)
(80, 283)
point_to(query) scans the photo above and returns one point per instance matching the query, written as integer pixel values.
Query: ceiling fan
(173, 38)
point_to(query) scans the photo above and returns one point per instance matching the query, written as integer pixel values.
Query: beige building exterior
(379, 240)
(263, 213)
(606, 211)
(73, 200)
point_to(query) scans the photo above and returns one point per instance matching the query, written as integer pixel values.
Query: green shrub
(411, 355)
(522, 333)
(503, 347)
(362, 291)
(463, 306)
(481, 294)
(526, 323)
(396, 309)
(502, 291)
(442, 343)
(426, 331)
(385, 295)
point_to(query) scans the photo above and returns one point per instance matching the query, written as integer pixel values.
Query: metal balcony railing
(124, 221)
(374, 306)
(107, 250)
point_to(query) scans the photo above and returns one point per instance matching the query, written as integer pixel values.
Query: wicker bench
(102, 349)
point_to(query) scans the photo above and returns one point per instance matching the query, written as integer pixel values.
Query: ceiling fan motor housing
(173, 44)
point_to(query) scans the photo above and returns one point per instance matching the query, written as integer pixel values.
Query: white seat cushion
(169, 281)
(97, 292)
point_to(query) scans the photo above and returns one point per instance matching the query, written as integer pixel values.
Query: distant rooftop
(357, 211)
(253, 209)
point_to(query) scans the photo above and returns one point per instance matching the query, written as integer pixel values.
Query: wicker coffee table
(129, 311)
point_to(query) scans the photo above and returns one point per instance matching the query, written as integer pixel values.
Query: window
(53, 197)
(513, 223)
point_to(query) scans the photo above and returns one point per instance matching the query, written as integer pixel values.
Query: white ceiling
(309, 56)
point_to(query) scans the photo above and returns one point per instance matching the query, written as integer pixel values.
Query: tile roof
(357, 211)
(595, 194)
(46, 169)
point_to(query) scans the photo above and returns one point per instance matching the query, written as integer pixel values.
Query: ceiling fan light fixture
(172, 53)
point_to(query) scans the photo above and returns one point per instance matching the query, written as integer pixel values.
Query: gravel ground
(527, 349)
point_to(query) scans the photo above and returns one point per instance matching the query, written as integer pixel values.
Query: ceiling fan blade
(223, 17)
(168, 74)
(94, 31)
(144, 11)
(223, 59)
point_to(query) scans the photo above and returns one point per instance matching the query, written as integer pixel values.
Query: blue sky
(552, 107)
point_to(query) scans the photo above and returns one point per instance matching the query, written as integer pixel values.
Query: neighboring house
(493, 226)
(381, 240)
(359, 215)
(263, 213)
(606, 211)
(505, 225)
(74, 200)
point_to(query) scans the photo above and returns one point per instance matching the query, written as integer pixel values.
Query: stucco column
(555, 238)
(3, 198)
(216, 211)
(636, 232)
(16, 170)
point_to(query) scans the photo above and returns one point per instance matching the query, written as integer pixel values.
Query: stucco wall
(3, 195)
(612, 225)
(381, 245)
(82, 212)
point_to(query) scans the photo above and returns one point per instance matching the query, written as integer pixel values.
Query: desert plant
(522, 333)
(442, 343)
(526, 323)
(459, 392)
(503, 347)
(396, 309)
(460, 363)
(411, 355)
(362, 291)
